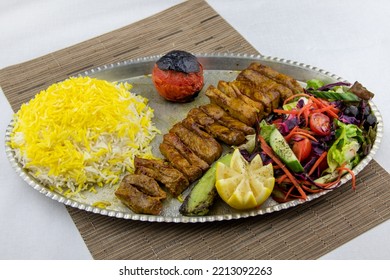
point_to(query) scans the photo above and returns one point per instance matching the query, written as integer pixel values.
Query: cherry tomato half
(302, 148)
(320, 124)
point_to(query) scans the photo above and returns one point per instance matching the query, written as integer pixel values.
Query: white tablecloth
(346, 37)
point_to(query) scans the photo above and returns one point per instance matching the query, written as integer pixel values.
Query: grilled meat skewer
(215, 129)
(250, 89)
(141, 194)
(200, 142)
(164, 173)
(191, 171)
(234, 106)
(145, 184)
(192, 158)
(220, 115)
(191, 145)
(278, 77)
(265, 85)
(232, 91)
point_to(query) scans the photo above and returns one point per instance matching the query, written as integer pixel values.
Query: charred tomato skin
(178, 76)
(177, 86)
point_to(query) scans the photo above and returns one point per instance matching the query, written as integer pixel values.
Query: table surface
(348, 38)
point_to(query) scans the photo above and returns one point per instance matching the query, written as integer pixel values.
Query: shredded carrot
(322, 105)
(326, 103)
(305, 110)
(340, 169)
(281, 179)
(310, 190)
(324, 109)
(290, 135)
(275, 166)
(328, 185)
(306, 115)
(289, 192)
(343, 168)
(299, 131)
(267, 149)
(317, 101)
(317, 163)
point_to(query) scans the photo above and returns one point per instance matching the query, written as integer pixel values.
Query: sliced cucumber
(281, 148)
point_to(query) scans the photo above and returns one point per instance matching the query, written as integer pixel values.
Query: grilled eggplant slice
(203, 194)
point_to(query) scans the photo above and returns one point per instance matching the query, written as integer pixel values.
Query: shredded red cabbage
(330, 86)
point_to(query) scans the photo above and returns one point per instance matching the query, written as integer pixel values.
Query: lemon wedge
(244, 185)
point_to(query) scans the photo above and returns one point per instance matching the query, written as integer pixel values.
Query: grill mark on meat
(200, 142)
(140, 193)
(232, 91)
(236, 108)
(265, 85)
(278, 77)
(215, 129)
(191, 171)
(249, 89)
(163, 172)
(224, 118)
(192, 158)
(145, 184)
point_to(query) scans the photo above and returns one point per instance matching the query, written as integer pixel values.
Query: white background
(348, 38)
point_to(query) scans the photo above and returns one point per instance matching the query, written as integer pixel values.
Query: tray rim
(195, 219)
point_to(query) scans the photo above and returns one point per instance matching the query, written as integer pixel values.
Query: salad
(315, 138)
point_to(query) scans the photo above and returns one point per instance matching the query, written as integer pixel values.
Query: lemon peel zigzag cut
(244, 185)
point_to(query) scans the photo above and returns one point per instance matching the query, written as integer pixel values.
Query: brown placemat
(307, 231)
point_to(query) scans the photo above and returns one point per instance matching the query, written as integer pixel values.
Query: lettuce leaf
(345, 149)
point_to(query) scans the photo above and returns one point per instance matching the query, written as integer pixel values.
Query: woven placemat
(307, 231)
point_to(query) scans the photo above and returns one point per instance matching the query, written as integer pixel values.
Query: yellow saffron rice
(82, 133)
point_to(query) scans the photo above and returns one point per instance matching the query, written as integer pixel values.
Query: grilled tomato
(178, 76)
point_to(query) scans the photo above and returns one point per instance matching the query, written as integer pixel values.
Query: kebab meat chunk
(220, 115)
(250, 89)
(200, 142)
(278, 77)
(191, 171)
(234, 106)
(141, 194)
(163, 172)
(215, 129)
(233, 91)
(192, 158)
(265, 85)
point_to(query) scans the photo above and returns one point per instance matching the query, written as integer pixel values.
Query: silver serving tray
(217, 67)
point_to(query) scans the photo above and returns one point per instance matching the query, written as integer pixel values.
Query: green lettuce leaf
(345, 149)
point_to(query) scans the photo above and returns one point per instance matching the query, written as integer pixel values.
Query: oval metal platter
(217, 67)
